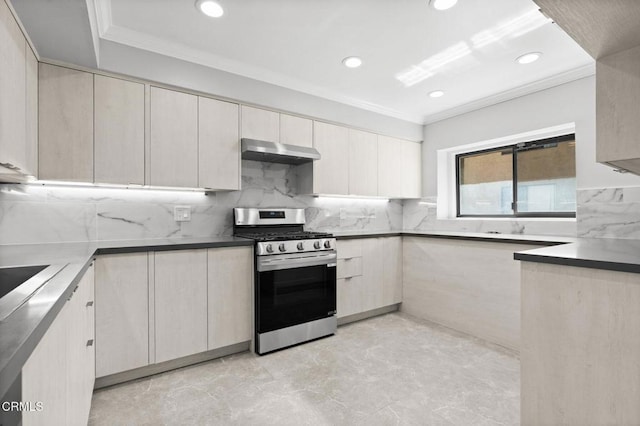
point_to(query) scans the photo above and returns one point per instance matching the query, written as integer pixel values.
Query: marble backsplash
(421, 215)
(609, 213)
(601, 213)
(43, 214)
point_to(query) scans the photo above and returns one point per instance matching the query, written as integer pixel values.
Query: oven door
(294, 289)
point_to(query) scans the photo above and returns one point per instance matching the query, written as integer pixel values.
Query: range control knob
(327, 244)
(269, 248)
(282, 247)
(300, 246)
(316, 244)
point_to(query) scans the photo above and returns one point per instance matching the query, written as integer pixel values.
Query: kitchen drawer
(350, 267)
(350, 292)
(349, 248)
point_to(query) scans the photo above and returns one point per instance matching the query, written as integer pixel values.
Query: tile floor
(388, 370)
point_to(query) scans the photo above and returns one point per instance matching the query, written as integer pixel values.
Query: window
(536, 178)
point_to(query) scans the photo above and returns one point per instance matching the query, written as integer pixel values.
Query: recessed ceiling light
(527, 58)
(210, 8)
(436, 94)
(352, 62)
(443, 4)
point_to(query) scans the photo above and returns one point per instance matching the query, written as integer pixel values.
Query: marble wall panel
(609, 213)
(422, 216)
(95, 213)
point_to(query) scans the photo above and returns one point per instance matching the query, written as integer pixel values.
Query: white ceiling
(408, 48)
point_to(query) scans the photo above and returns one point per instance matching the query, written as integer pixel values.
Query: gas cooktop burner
(280, 231)
(283, 236)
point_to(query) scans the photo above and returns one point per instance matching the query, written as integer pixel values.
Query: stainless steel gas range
(295, 278)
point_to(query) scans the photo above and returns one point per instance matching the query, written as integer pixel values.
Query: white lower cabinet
(230, 296)
(153, 307)
(122, 313)
(180, 302)
(369, 274)
(60, 371)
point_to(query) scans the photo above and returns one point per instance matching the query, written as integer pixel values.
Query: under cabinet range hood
(273, 152)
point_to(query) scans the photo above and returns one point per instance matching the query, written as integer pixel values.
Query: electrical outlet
(182, 213)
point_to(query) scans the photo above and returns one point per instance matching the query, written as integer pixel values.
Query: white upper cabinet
(218, 145)
(389, 167)
(65, 124)
(260, 124)
(618, 110)
(399, 168)
(411, 169)
(296, 130)
(610, 33)
(265, 125)
(13, 106)
(363, 163)
(330, 174)
(32, 112)
(119, 131)
(174, 138)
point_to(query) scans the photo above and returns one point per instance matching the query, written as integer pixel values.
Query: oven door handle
(275, 264)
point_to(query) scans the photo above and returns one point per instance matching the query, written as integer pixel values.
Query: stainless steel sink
(18, 284)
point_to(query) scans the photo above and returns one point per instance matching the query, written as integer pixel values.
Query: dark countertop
(471, 236)
(597, 253)
(23, 329)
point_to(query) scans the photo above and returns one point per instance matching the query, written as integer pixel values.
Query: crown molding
(537, 86)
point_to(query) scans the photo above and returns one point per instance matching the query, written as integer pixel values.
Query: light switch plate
(182, 213)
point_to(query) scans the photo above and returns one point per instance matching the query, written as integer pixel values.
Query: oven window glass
(294, 296)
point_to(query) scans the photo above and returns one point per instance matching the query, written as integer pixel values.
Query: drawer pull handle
(90, 303)
(90, 342)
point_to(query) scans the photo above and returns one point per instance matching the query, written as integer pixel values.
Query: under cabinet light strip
(67, 184)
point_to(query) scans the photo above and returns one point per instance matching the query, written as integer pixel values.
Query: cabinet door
(122, 313)
(218, 145)
(350, 284)
(296, 130)
(119, 131)
(89, 345)
(32, 112)
(230, 280)
(79, 365)
(372, 273)
(391, 257)
(363, 163)
(331, 172)
(174, 138)
(390, 165)
(12, 90)
(180, 303)
(260, 124)
(44, 375)
(349, 297)
(65, 106)
(617, 124)
(411, 170)
(59, 372)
